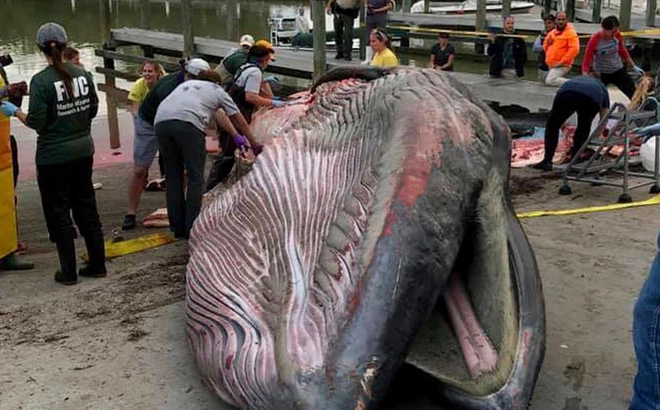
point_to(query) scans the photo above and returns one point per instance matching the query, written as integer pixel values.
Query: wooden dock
(300, 64)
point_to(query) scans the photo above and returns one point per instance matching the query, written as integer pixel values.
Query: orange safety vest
(8, 235)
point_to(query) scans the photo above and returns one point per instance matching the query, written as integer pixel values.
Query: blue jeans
(646, 338)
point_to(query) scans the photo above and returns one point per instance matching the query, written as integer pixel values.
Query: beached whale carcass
(374, 235)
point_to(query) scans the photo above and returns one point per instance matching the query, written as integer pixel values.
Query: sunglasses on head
(380, 34)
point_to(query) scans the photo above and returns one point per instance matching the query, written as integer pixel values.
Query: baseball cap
(195, 65)
(50, 32)
(265, 44)
(246, 40)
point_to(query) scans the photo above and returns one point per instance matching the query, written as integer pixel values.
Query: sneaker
(129, 222)
(339, 56)
(543, 166)
(348, 58)
(12, 262)
(91, 272)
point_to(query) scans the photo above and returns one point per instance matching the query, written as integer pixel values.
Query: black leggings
(565, 104)
(67, 189)
(622, 80)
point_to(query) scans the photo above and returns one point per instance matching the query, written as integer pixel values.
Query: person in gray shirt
(180, 126)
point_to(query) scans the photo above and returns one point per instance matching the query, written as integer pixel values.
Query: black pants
(184, 149)
(564, 105)
(67, 189)
(344, 34)
(14, 158)
(622, 80)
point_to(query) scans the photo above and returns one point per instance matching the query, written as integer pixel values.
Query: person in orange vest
(561, 46)
(8, 175)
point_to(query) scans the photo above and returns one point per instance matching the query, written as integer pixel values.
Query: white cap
(246, 40)
(195, 65)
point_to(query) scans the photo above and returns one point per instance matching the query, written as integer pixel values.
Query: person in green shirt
(230, 64)
(63, 102)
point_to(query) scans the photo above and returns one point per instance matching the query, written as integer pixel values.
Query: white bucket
(647, 154)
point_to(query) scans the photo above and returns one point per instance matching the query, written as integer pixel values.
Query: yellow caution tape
(613, 207)
(114, 249)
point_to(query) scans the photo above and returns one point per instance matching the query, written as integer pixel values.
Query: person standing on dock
(442, 54)
(508, 54)
(345, 12)
(302, 27)
(587, 97)
(606, 57)
(375, 17)
(63, 102)
(228, 66)
(561, 47)
(549, 25)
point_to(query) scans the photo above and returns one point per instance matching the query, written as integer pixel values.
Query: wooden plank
(186, 23)
(130, 58)
(318, 18)
(117, 74)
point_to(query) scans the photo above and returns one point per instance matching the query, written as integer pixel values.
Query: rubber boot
(96, 251)
(13, 262)
(66, 250)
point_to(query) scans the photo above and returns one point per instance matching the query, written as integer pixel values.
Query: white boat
(470, 6)
(283, 29)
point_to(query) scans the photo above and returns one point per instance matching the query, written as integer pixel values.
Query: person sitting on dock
(508, 53)
(228, 66)
(345, 12)
(561, 46)
(606, 57)
(442, 54)
(380, 45)
(549, 25)
(584, 95)
(145, 144)
(302, 28)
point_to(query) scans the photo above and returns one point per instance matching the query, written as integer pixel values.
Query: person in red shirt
(606, 57)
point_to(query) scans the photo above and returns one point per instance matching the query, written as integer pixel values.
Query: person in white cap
(63, 102)
(145, 143)
(230, 64)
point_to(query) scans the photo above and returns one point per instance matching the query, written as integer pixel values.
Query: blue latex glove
(648, 131)
(279, 104)
(272, 79)
(9, 109)
(638, 70)
(240, 141)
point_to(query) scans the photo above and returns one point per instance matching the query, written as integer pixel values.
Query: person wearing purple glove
(180, 126)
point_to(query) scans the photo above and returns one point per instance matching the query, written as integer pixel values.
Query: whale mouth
(482, 346)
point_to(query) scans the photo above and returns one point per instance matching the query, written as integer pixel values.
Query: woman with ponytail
(63, 102)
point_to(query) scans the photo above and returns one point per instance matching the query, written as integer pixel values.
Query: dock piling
(318, 18)
(188, 39)
(624, 14)
(108, 63)
(506, 7)
(651, 6)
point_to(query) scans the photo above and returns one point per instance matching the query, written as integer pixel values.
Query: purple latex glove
(240, 141)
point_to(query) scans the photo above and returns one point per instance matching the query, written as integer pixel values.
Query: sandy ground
(119, 342)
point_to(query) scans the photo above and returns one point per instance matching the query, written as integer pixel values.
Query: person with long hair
(180, 125)
(63, 102)
(150, 72)
(380, 43)
(145, 143)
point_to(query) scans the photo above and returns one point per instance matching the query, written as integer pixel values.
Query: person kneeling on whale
(584, 95)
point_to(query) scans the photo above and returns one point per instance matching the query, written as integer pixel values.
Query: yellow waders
(8, 234)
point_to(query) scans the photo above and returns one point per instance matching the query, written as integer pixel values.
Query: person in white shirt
(302, 27)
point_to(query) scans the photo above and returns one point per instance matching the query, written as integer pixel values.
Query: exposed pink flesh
(478, 352)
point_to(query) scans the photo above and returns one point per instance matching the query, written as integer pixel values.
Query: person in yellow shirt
(383, 54)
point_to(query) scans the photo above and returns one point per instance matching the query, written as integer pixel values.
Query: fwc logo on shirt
(80, 88)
